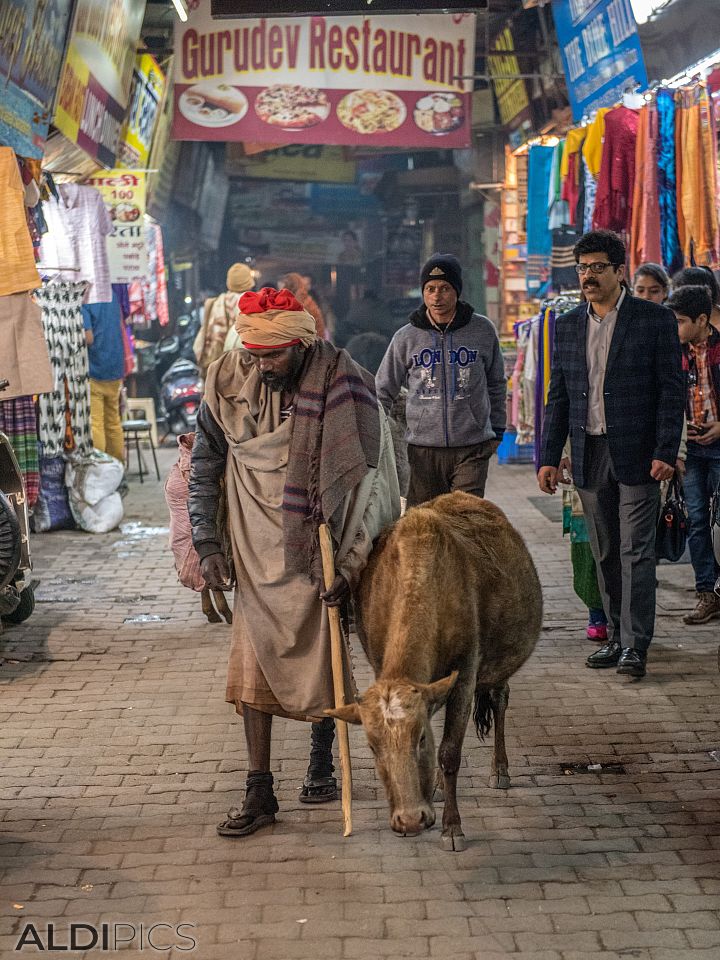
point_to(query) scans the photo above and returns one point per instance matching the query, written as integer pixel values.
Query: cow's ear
(349, 713)
(437, 693)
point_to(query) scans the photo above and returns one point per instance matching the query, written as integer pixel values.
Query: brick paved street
(120, 756)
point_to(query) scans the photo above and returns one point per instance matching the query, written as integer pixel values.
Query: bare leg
(258, 730)
(457, 714)
(499, 777)
(260, 804)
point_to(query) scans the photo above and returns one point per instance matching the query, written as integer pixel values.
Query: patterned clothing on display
(79, 226)
(616, 181)
(18, 421)
(667, 181)
(62, 319)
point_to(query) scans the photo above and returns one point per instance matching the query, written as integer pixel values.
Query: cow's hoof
(500, 781)
(453, 842)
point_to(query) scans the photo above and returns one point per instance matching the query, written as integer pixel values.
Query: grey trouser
(436, 470)
(621, 524)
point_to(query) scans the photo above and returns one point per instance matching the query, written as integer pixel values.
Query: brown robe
(280, 655)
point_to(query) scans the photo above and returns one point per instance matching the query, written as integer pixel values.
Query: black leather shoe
(632, 663)
(607, 656)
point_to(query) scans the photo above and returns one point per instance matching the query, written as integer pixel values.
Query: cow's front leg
(499, 776)
(457, 714)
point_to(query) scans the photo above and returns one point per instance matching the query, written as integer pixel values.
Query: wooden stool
(138, 429)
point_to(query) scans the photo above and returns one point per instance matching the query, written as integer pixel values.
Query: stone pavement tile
(121, 756)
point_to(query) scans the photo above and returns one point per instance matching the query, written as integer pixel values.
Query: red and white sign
(396, 81)
(123, 192)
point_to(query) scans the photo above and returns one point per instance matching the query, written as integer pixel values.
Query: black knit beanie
(442, 266)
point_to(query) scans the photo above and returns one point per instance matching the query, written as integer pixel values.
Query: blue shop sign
(600, 49)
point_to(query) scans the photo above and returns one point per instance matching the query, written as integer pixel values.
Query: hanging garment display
(546, 339)
(24, 357)
(149, 297)
(65, 411)
(645, 216)
(564, 276)
(18, 272)
(671, 252)
(616, 181)
(697, 183)
(539, 240)
(75, 247)
(558, 211)
(18, 421)
(593, 144)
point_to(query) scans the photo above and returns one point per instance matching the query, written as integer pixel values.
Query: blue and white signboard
(600, 49)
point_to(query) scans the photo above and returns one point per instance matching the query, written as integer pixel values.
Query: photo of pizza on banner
(213, 104)
(371, 111)
(292, 107)
(439, 113)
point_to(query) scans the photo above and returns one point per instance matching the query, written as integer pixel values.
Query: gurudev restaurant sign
(381, 81)
(95, 84)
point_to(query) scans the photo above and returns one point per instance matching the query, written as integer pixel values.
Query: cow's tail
(482, 712)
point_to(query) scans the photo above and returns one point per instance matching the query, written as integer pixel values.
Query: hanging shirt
(593, 146)
(600, 332)
(17, 260)
(78, 227)
(616, 182)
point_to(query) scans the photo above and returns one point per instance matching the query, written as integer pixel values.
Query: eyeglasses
(597, 267)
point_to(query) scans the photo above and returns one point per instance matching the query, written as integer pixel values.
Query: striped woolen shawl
(335, 441)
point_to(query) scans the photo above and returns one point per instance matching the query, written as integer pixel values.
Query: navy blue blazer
(644, 391)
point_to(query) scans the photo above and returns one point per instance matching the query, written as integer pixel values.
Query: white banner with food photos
(396, 81)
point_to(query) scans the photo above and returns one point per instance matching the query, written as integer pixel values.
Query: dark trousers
(621, 524)
(436, 470)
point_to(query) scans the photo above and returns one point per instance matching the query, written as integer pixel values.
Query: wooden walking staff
(336, 649)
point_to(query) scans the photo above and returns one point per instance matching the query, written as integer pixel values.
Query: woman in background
(651, 282)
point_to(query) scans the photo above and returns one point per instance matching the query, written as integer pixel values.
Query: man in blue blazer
(617, 391)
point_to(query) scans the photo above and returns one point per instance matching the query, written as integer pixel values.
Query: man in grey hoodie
(449, 359)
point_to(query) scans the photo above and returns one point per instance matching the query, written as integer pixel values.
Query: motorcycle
(181, 390)
(17, 594)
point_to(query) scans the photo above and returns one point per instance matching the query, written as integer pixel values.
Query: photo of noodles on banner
(396, 81)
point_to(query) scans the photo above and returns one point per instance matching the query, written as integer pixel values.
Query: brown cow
(448, 607)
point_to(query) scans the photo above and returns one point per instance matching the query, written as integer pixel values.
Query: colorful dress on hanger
(616, 181)
(64, 422)
(671, 251)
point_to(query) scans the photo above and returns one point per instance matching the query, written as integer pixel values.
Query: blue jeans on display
(702, 478)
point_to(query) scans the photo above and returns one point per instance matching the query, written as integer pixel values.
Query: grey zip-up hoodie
(455, 379)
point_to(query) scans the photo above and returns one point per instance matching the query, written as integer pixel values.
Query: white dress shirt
(599, 336)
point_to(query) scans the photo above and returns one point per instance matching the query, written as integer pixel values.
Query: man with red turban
(293, 426)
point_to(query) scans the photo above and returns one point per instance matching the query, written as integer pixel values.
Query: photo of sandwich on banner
(213, 104)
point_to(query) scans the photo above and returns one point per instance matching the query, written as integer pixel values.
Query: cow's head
(396, 716)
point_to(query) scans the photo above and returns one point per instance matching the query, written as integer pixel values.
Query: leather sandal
(257, 811)
(318, 789)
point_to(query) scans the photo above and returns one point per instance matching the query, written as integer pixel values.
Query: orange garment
(18, 272)
(697, 185)
(645, 224)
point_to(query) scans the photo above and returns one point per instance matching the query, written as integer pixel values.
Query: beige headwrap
(273, 318)
(240, 278)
